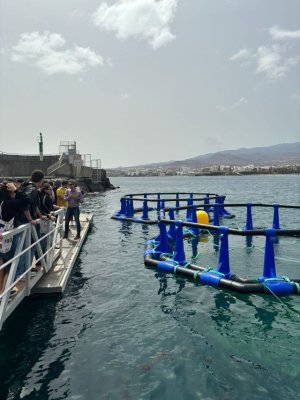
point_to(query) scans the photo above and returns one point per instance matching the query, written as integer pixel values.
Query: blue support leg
(163, 246)
(249, 224)
(195, 231)
(276, 224)
(172, 230)
(158, 202)
(179, 254)
(223, 265)
(177, 200)
(206, 203)
(145, 210)
(216, 221)
(269, 258)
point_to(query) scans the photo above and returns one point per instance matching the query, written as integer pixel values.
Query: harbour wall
(16, 165)
(22, 165)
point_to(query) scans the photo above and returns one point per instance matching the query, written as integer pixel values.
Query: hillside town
(205, 171)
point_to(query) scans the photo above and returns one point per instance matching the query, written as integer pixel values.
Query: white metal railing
(30, 249)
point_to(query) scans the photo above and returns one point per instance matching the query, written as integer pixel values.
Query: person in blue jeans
(74, 198)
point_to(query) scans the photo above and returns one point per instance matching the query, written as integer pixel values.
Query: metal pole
(41, 147)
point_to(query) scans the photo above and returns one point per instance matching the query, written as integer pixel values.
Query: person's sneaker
(77, 237)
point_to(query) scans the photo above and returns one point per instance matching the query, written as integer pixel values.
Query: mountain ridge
(276, 154)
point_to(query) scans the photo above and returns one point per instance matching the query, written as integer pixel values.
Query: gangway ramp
(56, 279)
(49, 270)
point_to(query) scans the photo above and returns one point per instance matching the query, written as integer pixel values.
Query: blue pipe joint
(166, 266)
(280, 287)
(149, 251)
(210, 278)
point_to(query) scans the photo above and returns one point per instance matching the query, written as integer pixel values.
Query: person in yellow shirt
(60, 193)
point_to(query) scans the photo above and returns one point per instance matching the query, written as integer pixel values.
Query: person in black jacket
(46, 203)
(11, 207)
(29, 189)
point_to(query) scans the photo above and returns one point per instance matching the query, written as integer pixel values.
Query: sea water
(122, 331)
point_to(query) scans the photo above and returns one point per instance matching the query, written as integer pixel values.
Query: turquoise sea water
(122, 331)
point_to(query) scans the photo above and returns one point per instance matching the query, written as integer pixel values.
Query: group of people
(25, 201)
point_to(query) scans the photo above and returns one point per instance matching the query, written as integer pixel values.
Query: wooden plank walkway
(56, 279)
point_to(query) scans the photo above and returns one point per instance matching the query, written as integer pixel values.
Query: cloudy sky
(139, 81)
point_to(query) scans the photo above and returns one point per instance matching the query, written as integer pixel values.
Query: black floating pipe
(279, 232)
(138, 220)
(230, 284)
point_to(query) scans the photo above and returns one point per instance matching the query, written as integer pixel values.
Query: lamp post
(41, 147)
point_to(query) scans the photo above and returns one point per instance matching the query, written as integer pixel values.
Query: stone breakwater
(17, 165)
(23, 165)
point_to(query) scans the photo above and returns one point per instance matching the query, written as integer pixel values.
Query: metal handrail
(25, 248)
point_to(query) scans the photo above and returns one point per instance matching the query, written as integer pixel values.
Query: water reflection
(163, 284)
(145, 231)
(216, 241)
(223, 314)
(264, 315)
(125, 229)
(37, 341)
(22, 343)
(249, 243)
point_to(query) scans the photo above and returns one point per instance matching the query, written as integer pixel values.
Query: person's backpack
(5, 226)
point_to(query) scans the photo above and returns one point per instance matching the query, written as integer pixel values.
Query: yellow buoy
(202, 217)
